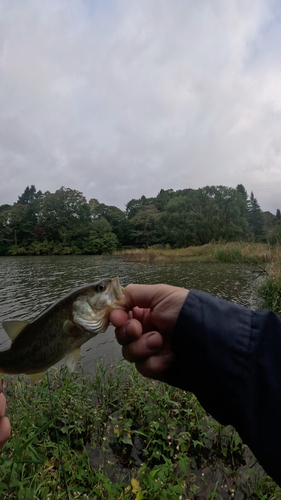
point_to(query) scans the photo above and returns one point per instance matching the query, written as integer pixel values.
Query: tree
(244, 202)
(176, 223)
(232, 212)
(101, 239)
(134, 206)
(163, 198)
(242, 191)
(144, 226)
(205, 215)
(218, 213)
(6, 232)
(94, 205)
(65, 216)
(29, 195)
(255, 219)
(120, 225)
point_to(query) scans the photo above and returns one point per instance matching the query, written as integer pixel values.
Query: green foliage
(270, 294)
(228, 254)
(29, 195)
(163, 198)
(57, 223)
(176, 222)
(64, 222)
(255, 219)
(100, 239)
(65, 216)
(134, 206)
(274, 236)
(121, 436)
(144, 222)
(203, 215)
(117, 219)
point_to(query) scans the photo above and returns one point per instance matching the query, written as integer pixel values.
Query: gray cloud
(120, 99)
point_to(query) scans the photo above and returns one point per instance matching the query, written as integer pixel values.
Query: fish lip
(120, 302)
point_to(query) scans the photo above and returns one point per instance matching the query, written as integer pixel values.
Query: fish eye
(101, 287)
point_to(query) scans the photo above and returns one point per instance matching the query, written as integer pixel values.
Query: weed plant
(120, 437)
(270, 288)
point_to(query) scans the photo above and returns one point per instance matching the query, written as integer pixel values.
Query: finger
(2, 405)
(118, 317)
(156, 366)
(145, 346)
(160, 304)
(131, 331)
(5, 430)
(147, 296)
(139, 313)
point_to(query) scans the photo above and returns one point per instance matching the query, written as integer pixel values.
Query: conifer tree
(255, 219)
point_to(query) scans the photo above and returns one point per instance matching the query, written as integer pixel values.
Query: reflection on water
(30, 284)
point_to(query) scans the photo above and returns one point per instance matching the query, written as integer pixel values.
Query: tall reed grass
(212, 252)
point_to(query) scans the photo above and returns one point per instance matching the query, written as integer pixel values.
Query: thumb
(164, 301)
(147, 296)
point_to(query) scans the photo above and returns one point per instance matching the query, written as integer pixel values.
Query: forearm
(229, 356)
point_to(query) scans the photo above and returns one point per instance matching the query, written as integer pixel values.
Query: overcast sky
(120, 98)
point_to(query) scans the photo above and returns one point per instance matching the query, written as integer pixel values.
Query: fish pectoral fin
(13, 328)
(35, 377)
(71, 359)
(68, 326)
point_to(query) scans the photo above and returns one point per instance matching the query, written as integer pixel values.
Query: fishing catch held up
(59, 331)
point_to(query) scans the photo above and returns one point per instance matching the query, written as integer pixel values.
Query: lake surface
(28, 285)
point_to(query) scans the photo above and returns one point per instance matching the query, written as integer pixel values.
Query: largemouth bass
(59, 331)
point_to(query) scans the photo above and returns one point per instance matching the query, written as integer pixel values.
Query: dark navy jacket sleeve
(230, 358)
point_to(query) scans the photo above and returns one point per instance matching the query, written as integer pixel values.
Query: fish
(60, 330)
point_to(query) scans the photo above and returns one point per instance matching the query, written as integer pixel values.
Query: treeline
(65, 223)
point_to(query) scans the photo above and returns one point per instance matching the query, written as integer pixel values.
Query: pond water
(30, 284)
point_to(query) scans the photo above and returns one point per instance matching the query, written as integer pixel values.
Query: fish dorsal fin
(71, 359)
(13, 328)
(35, 377)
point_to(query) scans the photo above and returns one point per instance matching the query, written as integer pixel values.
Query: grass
(241, 252)
(121, 437)
(270, 288)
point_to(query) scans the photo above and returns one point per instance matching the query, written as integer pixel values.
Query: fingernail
(152, 341)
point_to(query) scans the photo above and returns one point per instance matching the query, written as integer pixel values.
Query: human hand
(145, 331)
(5, 428)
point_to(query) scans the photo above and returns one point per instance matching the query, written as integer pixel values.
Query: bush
(274, 236)
(228, 254)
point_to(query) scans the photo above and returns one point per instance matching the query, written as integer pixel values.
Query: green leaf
(127, 440)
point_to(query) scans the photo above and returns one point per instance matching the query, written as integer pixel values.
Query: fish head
(91, 309)
(108, 294)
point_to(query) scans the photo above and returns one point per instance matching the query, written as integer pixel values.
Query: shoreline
(234, 252)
